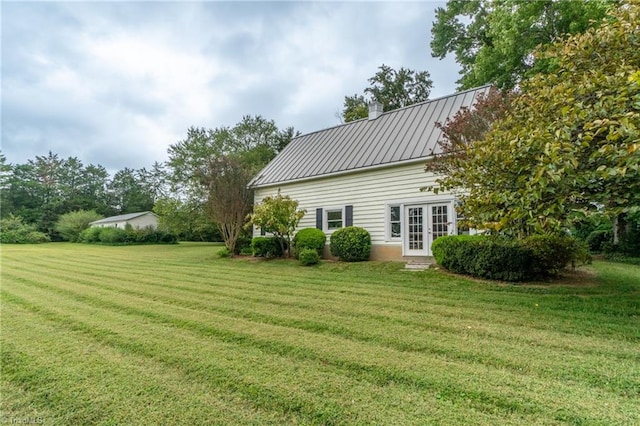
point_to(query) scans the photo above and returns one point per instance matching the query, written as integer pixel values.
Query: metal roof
(120, 218)
(398, 136)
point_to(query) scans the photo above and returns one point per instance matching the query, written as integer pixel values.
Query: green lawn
(175, 335)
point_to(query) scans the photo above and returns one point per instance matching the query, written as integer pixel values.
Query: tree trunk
(620, 228)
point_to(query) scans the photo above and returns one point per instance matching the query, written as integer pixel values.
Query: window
(395, 225)
(334, 219)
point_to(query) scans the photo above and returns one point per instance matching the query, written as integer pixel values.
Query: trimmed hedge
(118, 236)
(499, 258)
(308, 257)
(309, 238)
(351, 244)
(266, 247)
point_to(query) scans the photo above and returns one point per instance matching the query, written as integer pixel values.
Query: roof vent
(375, 110)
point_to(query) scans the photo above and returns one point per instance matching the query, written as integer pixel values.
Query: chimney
(375, 110)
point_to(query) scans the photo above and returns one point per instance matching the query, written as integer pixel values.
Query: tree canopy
(393, 89)
(493, 41)
(43, 188)
(254, 141)
(213, 167)
(570, 141)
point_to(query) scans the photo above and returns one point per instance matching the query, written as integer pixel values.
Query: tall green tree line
(43, 188)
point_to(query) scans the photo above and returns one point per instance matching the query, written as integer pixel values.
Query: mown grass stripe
(482, 357)
(317, 335)
(476, 315)
(445, 391)
(586, 313)
(141, 380)
(261, 397)
(424, 322)
(368, 371)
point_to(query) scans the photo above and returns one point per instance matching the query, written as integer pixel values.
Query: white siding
(140, 222)
(148, 220)
(369, 192)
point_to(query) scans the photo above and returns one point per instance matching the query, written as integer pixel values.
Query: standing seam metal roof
(405, 134)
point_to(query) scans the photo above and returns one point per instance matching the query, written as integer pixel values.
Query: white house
(136, 220)
(368, 173)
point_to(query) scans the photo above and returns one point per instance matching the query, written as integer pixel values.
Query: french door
(424, 223)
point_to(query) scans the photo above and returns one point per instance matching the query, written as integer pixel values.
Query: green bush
(311, 238)
(129, 235)
(224, 252)
(308, 256)
(445, 251)
(109, 235)
(266, 247)
(500, 258)
(243, 243)
(14, 231)
(551, 254)
(597, 239)
(351, 244)
(71, 225)
(246, 251)
(90, 235)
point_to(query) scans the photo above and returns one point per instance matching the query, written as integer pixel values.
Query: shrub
(278, 215)
(246, 251)
(109, 235)
(351, 244)
(308, 256)
(499, 258)
(597, 239)
(14, 231)
(551, 254)
(445, 251)
(90, 235)
(266, 247)
(71, 225)
(224, 252)
(243, 243)
(311, 238)
(167, 237)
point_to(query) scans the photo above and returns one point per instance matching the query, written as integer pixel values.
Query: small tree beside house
(278, 215)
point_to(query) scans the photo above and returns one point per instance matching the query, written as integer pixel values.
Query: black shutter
(348, 212)
(319, 218)
(262, 232)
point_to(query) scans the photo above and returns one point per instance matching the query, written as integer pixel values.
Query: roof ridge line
(396, 110)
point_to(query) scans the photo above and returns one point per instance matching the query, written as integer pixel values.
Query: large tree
(254, 139)
(493, 40)
(229, 199)
(188, 220)
(212, 168)
(570, 142)
(393, 89)
(128, 193)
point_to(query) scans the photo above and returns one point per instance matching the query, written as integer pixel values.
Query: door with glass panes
(423, 224)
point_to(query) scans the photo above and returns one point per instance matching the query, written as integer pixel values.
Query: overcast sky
(116, 83)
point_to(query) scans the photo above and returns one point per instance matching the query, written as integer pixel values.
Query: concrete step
(417, 266)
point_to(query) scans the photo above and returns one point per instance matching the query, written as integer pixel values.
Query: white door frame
(423, 223)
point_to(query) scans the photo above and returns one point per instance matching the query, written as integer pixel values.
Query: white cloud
(117, 83)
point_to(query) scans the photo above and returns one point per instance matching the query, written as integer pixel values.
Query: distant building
(136, 220)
